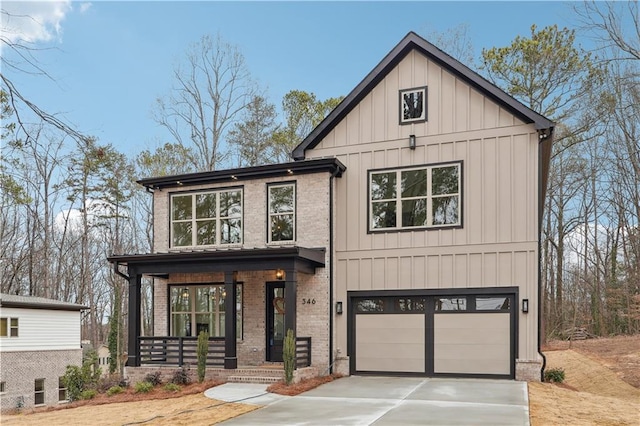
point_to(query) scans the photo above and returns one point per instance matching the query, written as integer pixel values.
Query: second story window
(282, 212)
(206, 218)
(419, 197)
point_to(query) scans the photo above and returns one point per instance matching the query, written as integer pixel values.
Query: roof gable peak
(413, 41)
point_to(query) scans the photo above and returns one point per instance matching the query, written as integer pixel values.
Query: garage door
(393, 343)
(472, 343)
(452, 335)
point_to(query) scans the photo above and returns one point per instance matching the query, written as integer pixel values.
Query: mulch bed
(293, 389)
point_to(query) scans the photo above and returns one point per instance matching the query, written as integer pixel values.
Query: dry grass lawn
(602, 380)
(594, 392)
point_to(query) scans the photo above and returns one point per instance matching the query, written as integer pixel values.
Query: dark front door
(275, 321)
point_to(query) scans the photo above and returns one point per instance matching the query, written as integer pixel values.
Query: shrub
(171, 387)
(554, 375)
(106, 383)
(114, 390)
(79, 379)
(202, 351)
(289, 356)
(154, 378)
(181, 377)
(88, 394)
(143, 387)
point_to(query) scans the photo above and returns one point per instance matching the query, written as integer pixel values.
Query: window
(422, 197)
(39, 392)
(282, 216)
(201, 308)
(451, 304)
(413, 105)
(370, 305)
(207, 218)
(62, 390)
(8, 327)
(493, 303)
(3, 387)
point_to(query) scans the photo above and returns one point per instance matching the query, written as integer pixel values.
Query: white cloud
(33, 22)
(84, 7)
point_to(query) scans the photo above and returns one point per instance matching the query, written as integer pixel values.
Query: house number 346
(308, 301)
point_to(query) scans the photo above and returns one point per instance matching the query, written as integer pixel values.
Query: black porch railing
(179, 350)
(303, 352)
(169, 350)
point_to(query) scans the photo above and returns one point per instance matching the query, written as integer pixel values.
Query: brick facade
(19, 370)
(312, 230)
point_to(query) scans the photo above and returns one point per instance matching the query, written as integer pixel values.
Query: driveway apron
(382, 401)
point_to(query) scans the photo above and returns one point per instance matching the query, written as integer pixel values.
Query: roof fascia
(330, 165)
(409, 42)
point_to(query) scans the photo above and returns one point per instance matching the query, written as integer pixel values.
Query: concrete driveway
(394, 401)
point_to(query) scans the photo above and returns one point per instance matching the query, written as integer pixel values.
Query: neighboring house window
(8, 327)
(282, 212)
(206, 218)
(413, 105)
(39, 392)
(62, 390)
(420, 197)
(201, 308)
(3, 387)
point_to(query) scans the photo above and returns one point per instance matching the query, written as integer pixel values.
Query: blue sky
(111, 60)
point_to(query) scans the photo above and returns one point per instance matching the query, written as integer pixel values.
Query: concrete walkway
(388, 401)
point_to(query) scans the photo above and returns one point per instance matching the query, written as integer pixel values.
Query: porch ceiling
(300, 259)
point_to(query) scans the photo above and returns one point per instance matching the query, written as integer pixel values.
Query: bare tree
(210, 90)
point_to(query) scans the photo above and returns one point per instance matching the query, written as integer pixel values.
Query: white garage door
(390, 343)
(472, 343)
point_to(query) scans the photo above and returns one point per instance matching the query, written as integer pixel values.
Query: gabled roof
(410, 42)
(32, 302)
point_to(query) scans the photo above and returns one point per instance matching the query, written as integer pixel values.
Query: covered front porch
(276, 296)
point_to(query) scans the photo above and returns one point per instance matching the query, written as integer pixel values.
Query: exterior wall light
(525, 305)
(412, 141)
(339, 308)
(279, 274)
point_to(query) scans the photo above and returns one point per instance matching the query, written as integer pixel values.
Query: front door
(275, 321)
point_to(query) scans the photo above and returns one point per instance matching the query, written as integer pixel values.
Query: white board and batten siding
(42, 330)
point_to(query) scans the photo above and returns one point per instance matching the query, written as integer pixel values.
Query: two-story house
(39, 338)
(402, 239)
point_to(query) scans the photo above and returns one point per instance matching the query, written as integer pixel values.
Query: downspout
(117, 271)
(331, 302)
(543, 136)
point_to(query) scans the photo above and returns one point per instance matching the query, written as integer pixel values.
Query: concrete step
(253, 379)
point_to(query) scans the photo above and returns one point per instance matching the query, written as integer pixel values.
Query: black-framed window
(413, 105)
(38, 396)
(8, 327)
(282, 212)
(3, 387)
(206, 218)
(451, 303)
(416, 197)
(196, 308)
(493, 303)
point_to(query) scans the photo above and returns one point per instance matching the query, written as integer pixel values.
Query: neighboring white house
(39, 338)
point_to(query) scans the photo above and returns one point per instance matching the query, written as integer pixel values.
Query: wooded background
(68, 200)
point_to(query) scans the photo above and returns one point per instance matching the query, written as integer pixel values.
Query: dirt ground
(594, 393)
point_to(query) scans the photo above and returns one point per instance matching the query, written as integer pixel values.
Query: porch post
(230, 332)
(133, 351)
(290, 301)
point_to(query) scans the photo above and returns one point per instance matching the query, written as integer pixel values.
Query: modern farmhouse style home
(402, 239)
